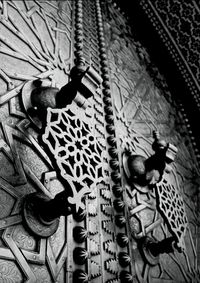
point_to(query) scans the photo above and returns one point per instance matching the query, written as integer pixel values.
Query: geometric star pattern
(172, 206)
(76, 152)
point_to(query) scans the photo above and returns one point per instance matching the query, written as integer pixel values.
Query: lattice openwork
(172, 206)
(76, 151)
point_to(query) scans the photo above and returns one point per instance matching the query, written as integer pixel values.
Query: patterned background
(141, 107)
(37, 41)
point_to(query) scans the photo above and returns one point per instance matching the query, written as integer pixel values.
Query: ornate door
(114, 110)
(142, 104)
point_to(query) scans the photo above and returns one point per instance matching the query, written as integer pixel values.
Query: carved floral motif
(41, 274)
(23, 239)
(5, 209)
(57, 239)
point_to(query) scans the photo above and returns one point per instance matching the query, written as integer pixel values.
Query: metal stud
(122, 240)
(80, 255)
(80, 234)
(124, 259)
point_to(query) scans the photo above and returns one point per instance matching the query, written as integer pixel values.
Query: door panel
(142, 105)
(36, 42)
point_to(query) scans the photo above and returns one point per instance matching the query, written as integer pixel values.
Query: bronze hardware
(120, 220)
(151, 249)
(122, 240)
(124, 259)
(80, 255)
(117, 190)
(142, 172)
(41, 214)
(126, 277)
(119, 205)
(44, 96)
(79, 276)
(38, 95)
(80, 234)
(79, 215)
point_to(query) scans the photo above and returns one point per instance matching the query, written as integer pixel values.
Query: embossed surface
(9, 272)
(141, 108)
(176, 24)
(35, 42)
(184, 15)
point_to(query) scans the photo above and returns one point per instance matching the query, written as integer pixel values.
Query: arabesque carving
(76, 152)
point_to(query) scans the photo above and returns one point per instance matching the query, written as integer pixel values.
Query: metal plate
(35, 43)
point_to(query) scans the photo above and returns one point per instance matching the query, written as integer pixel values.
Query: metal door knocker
(68, 140)
(40, 94)
(143, 173)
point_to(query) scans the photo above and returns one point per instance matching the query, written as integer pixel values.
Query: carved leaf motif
(92, 209)
(41, 274)
(95, 269)
(107, 209)
(92, 195)
(92, 228)
(113, 281)
(106, 194)
(23, 239)
(9, 272)
(112, 266)
(57, 239)
(108, 226)
(110, 247)
(94, 247)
